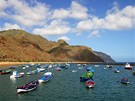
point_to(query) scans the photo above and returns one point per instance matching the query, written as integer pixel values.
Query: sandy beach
(5, 64)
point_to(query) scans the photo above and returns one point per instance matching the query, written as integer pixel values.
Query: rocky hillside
(105, 57)
(18, 45)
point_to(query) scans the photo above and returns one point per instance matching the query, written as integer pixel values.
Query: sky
(107, 26)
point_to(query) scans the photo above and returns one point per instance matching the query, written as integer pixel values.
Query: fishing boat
(90, 84)
(116, 71)
(86, 76)
(128, 66)
(125, 81)
(6, 71)
(16, 74)
(27, 87)
(46, 77)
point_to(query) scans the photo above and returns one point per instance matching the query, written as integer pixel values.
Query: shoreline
(3, 64)
(6, 64)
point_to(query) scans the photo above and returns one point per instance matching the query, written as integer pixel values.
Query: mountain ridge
(19, 45)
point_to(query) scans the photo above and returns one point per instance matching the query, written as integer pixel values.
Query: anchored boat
(90, 84)
(46, 77)
(27, 87)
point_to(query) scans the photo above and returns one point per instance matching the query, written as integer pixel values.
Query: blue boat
(46, 77)
(90, 69)
(125, 81)
(84, 79)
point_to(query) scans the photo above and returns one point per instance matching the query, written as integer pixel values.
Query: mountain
(18, 45)
(105, 57)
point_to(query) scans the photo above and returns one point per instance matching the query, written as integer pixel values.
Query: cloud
(25, 14)
(94, 33)
(64, 38)
(8, 26)
(120, 19)
(56, 27)
(114, 20)
(75, 19)
(76, 11)
(78, 34)
(60, 13)
(3, 5)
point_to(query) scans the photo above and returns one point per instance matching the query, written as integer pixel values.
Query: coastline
(5, 64)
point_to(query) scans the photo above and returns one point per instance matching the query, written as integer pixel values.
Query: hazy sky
(103, 25)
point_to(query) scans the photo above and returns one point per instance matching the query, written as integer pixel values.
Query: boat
(63, 66)
(46, 77)
(32, 72)
(125, 81)
(74, 71)
(16, 74)
(86, 76)
(109, 66)
(116, 70)
(90, 84)
(27, 87)
(40, 69)
(90, 69)
(6, 71)
(12, 67)
(133, 72)
(128, 66)
(58, 69)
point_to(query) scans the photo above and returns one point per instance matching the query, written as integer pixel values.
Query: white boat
(116, 70)
(16, 74)
(128, 66)
(74, 71)
(40, 69)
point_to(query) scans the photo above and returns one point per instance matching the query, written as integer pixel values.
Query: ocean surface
(66, 86)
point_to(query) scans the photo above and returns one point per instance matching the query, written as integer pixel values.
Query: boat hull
(128, 68)
(84, 79)
(27, 87)
(24, 90)
(43, 81)
(18, 76)
(90, 84)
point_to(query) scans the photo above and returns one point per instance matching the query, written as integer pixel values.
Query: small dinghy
(116, 70)
(27, 87)
(125, 81)
(58, 69)
(6, 71)
(16, 74)
(90, 84)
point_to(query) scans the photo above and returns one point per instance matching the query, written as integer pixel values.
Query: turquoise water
(65, 86)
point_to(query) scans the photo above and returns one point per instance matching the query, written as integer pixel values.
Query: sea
(65, 85)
